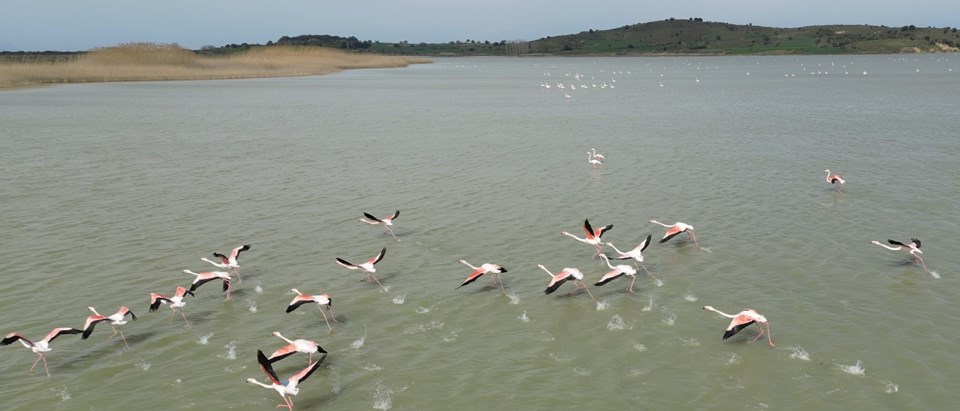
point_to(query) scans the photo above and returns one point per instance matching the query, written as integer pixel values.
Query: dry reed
(152, 62)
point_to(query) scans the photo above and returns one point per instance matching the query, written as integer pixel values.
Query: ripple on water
(514, 298)
(204, 339)
(582, 371)
(617, 323)
(603, 305)
(63, 393)
(889, 387)
(798, 353)
(399, 299)
(523, 317)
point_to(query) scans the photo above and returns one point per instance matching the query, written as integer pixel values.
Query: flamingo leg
(391, 233)
(648, 272)
(630, 287)
(236, 271)
(584, 286)
(114, 332)
(920, 260)
(123, 339)
(184, 318)
(500, 281)
(694, 237)
(378, 281)
(329, 327)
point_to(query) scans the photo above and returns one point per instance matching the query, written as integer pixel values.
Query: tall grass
(151, 62)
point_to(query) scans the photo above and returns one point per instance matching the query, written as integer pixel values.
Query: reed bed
(157, 62)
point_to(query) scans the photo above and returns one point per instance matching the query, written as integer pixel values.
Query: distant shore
(157, 62)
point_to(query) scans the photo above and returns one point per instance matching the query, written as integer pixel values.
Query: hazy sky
(37, 25)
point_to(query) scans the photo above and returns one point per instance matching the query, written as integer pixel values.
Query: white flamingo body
(295, 346)
(323, 301)
(591, 236)
(229, 261)
(494, 269)
(616, 272)
(207, 276)
(286, 388)
(176, 303)
(116, 319)
(594, 162)
(567, 274)
(835, 179)
(912, 248)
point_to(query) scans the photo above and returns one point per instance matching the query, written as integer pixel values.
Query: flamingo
(322, 300)
(116, 319)
(742, 320)
(635, 254)
(493, 269)
(208, 276)
(913, 247)
(556, 280)
(835, 179)
(366, 267)
(387, 222)
(616, 272)
(39, 347)
(304, 346)
(286, 388)
(229, 262)
(596, 155)
(176, 302)
(591, 236)
(592, 160)
(90, 323)
(677, 228)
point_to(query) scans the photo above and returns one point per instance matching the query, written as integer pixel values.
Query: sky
(76, 25)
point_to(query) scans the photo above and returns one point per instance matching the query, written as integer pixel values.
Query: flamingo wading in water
(208, 276)
(117, 318)
(677, 228)
(322, 300)
(742, 320)
(594, 162)
(913, 248)
(286, 388)
(294, 346)
(636, 254)
(835, 179)
(591, 236)
(39, 347)
(556, 280)
(616, 272)
(176, 302)
(494, 270)
(367, 267)
(387, 222)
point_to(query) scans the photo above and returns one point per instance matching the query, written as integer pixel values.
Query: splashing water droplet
(514, 298)
(855, 369)
(798, 353)
(399, 299)
(523, 317)
(204, 339)
(603, 305)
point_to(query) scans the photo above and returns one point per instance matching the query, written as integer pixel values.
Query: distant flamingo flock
(287, 388)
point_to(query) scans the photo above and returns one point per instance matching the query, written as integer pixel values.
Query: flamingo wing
(473, 277)
(223, 258)
(91, 322)
(346, 263)
(56, 332)
(267, 368)
(156, 300)
(738, 323)
(608, 277)
(304, 373)
(201, 280)
(556, 282)
(235, 253)
(282, 352)
(895, 242)
(604, 229)
(14, 336)
(371, 217)
(672, 232)
(588, 229)
(298, 301)
(645, 243)
(394, 216)
(379, 257)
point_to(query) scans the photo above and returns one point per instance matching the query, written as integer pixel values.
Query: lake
(110, 190)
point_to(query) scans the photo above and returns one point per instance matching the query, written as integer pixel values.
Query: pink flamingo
(322, 300)
(208, 276)
(556, 280)
(617, 272)
(117, 318)
(677, 228)
(286, 388)
(294, 346)
(229, 262)
(742, 320)
(591, 236)
(594, 162)
(913, 248)
(367, 267)
(835, 179)
(176, 302)
(387, 222)
(494, 269)
(39, 347)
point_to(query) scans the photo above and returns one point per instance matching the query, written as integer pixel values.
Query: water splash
(231, 350)
(689, 342)
(649, 306)
(617, 323)
(561, 358)
(670, 319)
(63, 394)
(422, 310)
(372, 367)
(258, 289)
(399, 299)
(582, 371)
(514, 298)
(855, 369)
(383, 396)
(204, 339)
(658, 282)
(798, 353)
(452, 337)
(142, 365)
(889, 387)
(252, 306)
(639, 347)
(935, 274)
(603, 305)
(732, 358)
(690, 297)
(523, 317)
(420, 328)
(358, 344)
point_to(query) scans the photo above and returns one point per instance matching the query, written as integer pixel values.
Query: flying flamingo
(322, 300)
(208, 276)
(286, 388)
(677, 228)
(616, 272)
(494, 269)
(596, 155)
(39, 347)
(742, 320)
(913, 247)
(229, 262)
(366, 267)
(592, 160)
(635, 254)
(294, 346)
(116, 319)
(387, 222)
(556, 280)
(176, 302)
(90, 323)
(835, 179)
(591, 236)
